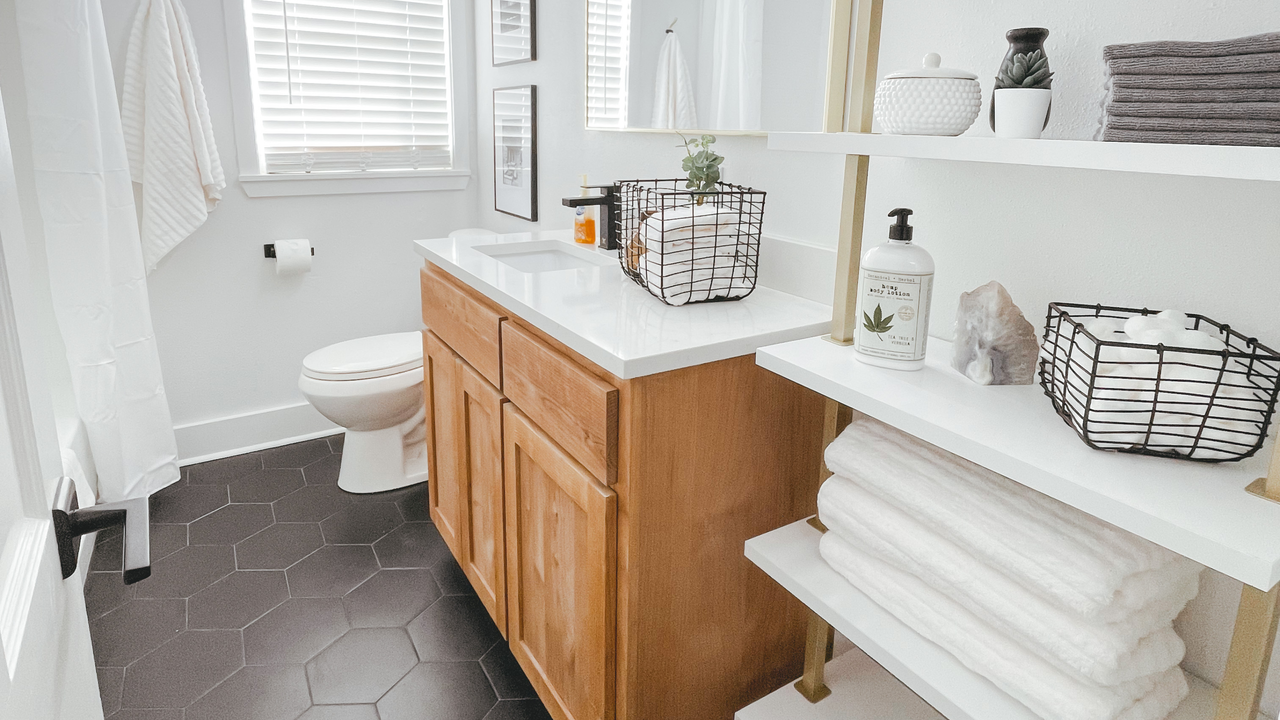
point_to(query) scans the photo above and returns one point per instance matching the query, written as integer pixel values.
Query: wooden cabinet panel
(578, 410)
(561, 564)
(442, 390)
(484, 545)
(466, 321)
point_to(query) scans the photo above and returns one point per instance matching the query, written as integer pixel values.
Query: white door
(46, 660)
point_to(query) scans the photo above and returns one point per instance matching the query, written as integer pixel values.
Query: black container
(1175, 402)
(685, 246)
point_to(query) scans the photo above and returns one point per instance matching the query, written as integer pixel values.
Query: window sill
(354, 183)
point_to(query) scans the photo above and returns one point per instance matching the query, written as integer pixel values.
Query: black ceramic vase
(1025, 41)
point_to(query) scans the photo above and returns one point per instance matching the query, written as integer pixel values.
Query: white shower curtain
(734, 34)
(673, 101)
(90, 225)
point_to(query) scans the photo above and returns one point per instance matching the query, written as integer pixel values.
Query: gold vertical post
(865, 58)
(817, 651)
(1255, 632)
(1250, 655)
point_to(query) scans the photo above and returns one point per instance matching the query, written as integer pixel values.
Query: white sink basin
(541, 256)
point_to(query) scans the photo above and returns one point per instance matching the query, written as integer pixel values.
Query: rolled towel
(1104, 653)
(1210, 94)
(1268, 62)
(1052, 549)
(1191, 125)
(1040, 686)
(1198, 82)
(1239, 139)
(1238, 111)
(1264, 43)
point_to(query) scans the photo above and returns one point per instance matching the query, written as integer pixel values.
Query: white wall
(231, 333)
(1204, 246)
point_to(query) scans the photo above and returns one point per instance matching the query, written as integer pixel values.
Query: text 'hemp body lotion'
(895, 288)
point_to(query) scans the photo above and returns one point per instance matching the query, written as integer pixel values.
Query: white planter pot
(1021, 112)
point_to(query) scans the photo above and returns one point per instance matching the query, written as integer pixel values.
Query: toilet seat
(365, 358)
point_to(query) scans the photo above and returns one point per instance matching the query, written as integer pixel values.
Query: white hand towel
(1052, 549)
(1040, 686)
(708, 214)
(673, 100)
(167, 129)
(1104, 653)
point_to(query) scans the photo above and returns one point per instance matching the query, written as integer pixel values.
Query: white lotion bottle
(895, 288)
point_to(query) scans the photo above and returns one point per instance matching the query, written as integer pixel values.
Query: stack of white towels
(1067, 614)
(691, 253)
(1196, 390)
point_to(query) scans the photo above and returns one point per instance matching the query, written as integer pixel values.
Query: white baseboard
(222, 437)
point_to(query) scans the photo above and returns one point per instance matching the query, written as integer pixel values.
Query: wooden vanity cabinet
(610, 551)
(561, 545)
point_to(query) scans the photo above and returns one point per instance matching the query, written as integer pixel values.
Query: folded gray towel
(1256, 63)
(1197, 82)
(1124, 94)
(1264, 43)
(1193, 138)
(1239, 111)
(1201, 125)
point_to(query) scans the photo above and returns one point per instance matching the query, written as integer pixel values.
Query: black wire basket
(686, 246)
(1178, 402)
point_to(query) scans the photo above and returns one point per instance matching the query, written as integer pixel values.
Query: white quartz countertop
(615, 323)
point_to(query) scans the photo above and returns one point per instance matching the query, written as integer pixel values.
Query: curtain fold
(737, 54)
(90, 224)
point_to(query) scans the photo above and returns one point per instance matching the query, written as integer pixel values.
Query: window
(350, 86)
(608, 58)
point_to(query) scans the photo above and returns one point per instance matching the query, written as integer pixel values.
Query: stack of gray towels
(1197, 93)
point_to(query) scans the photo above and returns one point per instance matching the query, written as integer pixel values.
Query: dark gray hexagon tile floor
(275, 595)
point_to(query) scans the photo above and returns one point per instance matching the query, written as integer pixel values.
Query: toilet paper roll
(293, 257)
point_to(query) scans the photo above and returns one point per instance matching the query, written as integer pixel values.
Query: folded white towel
(1040, 686)
(167, 130)
(708, 214)
(1052, 549)
(1104, 653)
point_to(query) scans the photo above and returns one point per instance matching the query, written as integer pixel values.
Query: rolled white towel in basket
(1031, 680)
(1103, 653)
(1088, 566)
(707, 215)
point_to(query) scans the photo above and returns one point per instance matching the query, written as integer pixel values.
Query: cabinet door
(483, 540)
(561, 565)
(442, 390)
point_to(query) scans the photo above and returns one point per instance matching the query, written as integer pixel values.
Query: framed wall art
(514, 32)
(515, 151)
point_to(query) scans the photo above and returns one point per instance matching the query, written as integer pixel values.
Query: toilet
(372, 386)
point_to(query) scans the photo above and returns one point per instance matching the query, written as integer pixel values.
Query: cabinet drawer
(466, 322)
(578, 410)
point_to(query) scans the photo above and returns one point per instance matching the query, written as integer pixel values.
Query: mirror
(708, 65)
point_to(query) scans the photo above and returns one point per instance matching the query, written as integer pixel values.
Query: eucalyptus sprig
(703, 166)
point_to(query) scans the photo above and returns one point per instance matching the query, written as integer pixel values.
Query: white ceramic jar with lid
(931, 100)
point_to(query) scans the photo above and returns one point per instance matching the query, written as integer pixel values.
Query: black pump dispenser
(901, 231)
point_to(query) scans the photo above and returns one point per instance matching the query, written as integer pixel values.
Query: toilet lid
(367, 357)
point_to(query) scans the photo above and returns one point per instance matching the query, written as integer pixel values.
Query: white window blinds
(351, 85)
(608, 58)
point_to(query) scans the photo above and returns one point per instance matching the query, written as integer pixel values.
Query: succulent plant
(1025, 71)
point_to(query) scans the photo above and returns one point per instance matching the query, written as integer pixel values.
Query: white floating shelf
(790, 556)
(1215, 161)
(1199, 510)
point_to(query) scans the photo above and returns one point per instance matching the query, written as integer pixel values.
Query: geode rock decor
(995, 345)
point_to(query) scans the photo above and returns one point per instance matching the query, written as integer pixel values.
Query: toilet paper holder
(269, 250)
